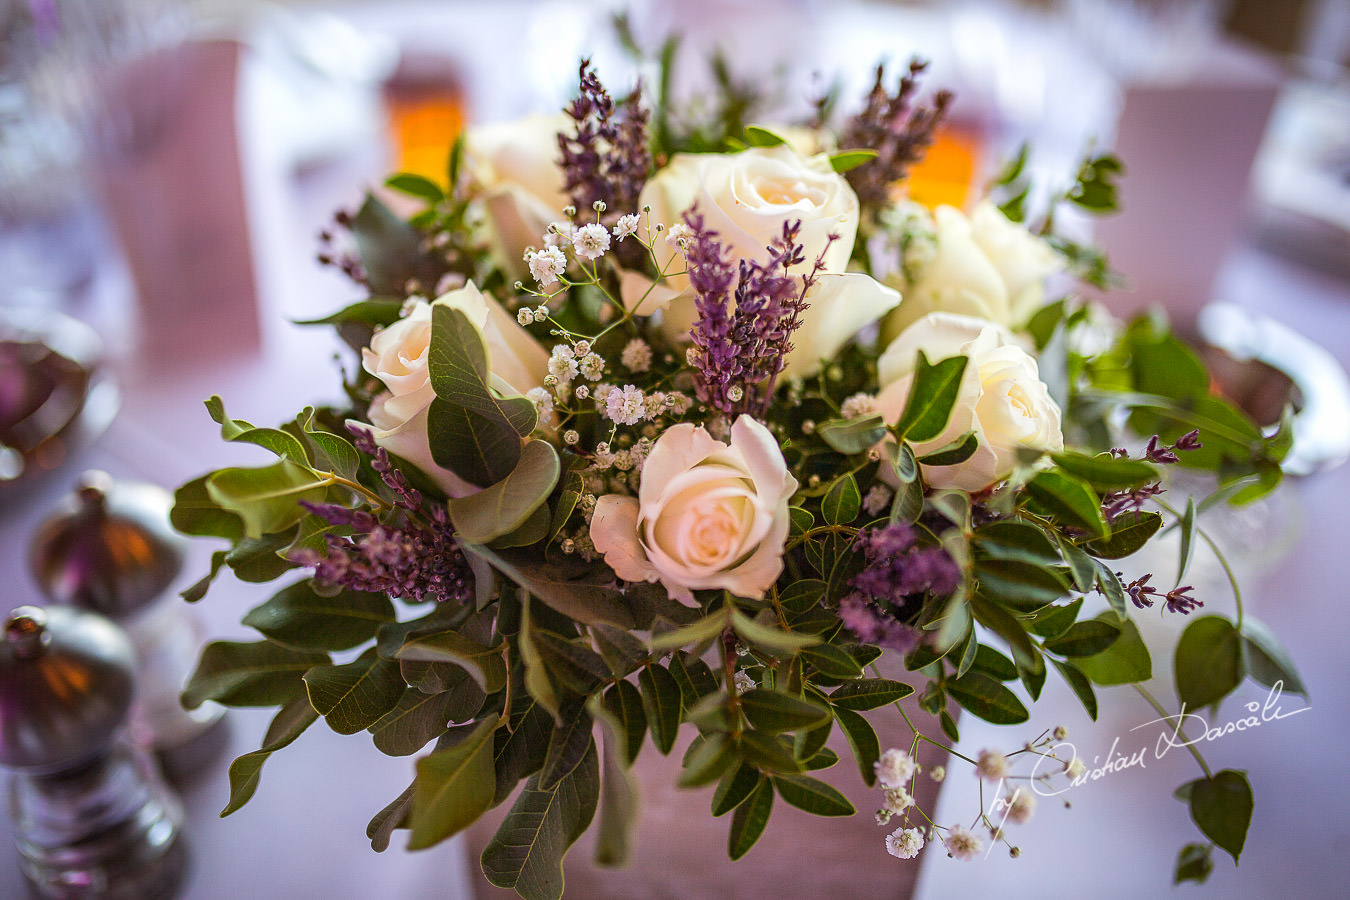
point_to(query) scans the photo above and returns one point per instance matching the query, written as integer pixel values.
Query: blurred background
(166, 166)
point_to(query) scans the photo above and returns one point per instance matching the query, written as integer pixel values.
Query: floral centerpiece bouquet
(666, 420)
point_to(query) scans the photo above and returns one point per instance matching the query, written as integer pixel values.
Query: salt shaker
(109, 548)
(92, 819)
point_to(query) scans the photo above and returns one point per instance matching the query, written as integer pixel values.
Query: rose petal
(840, 306)
(614, 531)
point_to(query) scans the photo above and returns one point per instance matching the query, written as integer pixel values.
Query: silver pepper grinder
(109, 548)
(93, 820)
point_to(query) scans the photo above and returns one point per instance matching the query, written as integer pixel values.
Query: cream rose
(516, 166)
(397, 355)
(746, 198)
(985, 266)
(708, 515)
(1002, 398)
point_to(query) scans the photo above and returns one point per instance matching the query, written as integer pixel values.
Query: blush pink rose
(708, 515)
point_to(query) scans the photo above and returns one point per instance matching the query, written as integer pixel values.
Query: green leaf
(298, 617)
(416, 720)
(245, 772)
(801, 519)
(661, 703)
(484, 664)
(850, 436)
(623, 702)
(831, 661)
(1112, 590)
(758, 136)
(802, 595)
(812, 795)
(527, 852)
(479, 449)
(1208, 664)
(275, 440)
(504, 507)
(354, 696)
(570, 742)
(994, 664)
(769, 752)
(704, 629)
(841, 502)
(376, 312)
(1222, 807)
(391, 250)
(1010, 539)
(998, 620)
(931, 398)
(416, 186)
(1129, 533)
(955, 453)
(986, 698)
(869, 693)
(621, 650)
(772, 711)
(710, 756)
(847, 160)
(1079, 684)
(454, 786)
(258, 560)
(1018, 584)
(618, 793)
(394, 815)
(1105, 472)
(249, 674)
(1084, 639)
(195, 513)
(772, 640)
(1052, 621)
(1082, 568)
(570, 586)
(1267, 661)
(538, 679)
(749, 820)
(1126, 661)
(198, 589)
(458, 365)
(1193, 864)
(735, 788)
(1069, 500)
(266, 499)
(862, 738)
(1187, 539)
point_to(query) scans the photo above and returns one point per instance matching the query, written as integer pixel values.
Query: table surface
(302, 836)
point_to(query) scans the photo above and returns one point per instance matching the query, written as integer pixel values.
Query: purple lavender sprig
(1117, 503)
(1143, 595)
(893, 126)
(608, 159)
(897, 570)
(714, 279)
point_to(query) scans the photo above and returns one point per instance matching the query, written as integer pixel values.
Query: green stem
(1158, 707)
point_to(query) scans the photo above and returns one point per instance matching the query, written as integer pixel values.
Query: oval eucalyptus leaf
(1208, 664)
(1021, 585)
(850, 436)
(395, 815)
(842, 501)
(479, 449)
(504, 507)
(454, 787)
(953, 454)
(831, 661)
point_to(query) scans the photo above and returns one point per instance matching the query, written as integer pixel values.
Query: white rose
(708, 515)
(985, 266)
(397, 355)
(515, 165)
(1002, 398)
(840, 306)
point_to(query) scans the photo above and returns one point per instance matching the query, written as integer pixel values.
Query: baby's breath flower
(570, 436)
(860, 404)
(961, 843)
(562, 363)
(878, 498)
(547, 265)
(582, 392)
(525, 316)
(679, 235)
(678, 403)
(937, 773)
(655, 403)
(592, 366)
(897, 800)
(625, 406)
(743, 682)
(581, 347)
(636, 356)
(586, 501)
(623, 461)
(1061, 732)
(543, 403)
(904, 843)
(894, 768)
(627, 225)
(1021, 806)
(541, 312)
(992, 765)
(591, 241)
(1075, 769)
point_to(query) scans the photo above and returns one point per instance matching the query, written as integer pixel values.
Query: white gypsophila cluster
(626, 226)
(877, 499)
(562, 363)
(590, 242)
(546, 265)
(962, 842)
(1021, 806)
(679, 235)
(896, 800)
(543, 404)
(894, 768)
(743, 682)
(636, 355)
(904, 843)
(655, 404)
(626, 405)
(857, 406)
(591, 366)
(678, 403)
(937, 773)
(1075, 769)
(991, 765)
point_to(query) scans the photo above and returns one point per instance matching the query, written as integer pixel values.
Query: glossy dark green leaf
(869, 693)
(802, 595)
(1084, 639)
(624, 703)
(948, 725)
(391, 250)
(249, 674)
(1222, 807)
(842, 501)
(931, 397)
(1082, 568)
(801, 520)
(1126, 661)
(1208, 664)
(1129, 532)
(485, 664)
(415, 721)
(479, 449)
(1079, 684)
(245, 772)
(1018, 584)
(862, 739)
(298, 617)
(735, 788)
(354, 696)
(812, 795)
(850, 436)
(1106, 473)
(1069, 500)
(1016, 540)
(571, 664)
(772, 711)
(454, 786)
(1193, 864)
(988, 699)
(1008, 627)
(661, 704)
(955, 453)
(527, 852)
(749, 821)
(520, 751)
